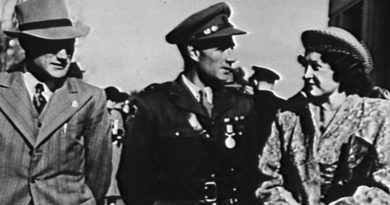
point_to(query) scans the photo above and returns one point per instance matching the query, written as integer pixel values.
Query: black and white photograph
(183, 102)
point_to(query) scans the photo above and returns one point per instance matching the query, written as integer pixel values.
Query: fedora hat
(338, 40)
(46, 19)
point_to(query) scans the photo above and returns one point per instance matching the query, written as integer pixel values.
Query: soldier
(266, 102)
(190, 140)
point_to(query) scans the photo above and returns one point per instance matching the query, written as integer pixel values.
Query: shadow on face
(36, 47)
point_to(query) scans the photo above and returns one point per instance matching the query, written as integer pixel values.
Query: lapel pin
(75, 104)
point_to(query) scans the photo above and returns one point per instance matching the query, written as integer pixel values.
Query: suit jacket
(61, 156)
(166, 158)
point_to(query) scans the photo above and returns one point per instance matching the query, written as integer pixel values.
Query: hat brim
(318, 40)
(263, 73)
(230, 31)
(54, 33)
(336, 40)
(315, 39)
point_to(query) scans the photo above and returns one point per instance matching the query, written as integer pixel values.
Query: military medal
(229, 141)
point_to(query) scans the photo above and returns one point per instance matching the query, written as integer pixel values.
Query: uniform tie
(39, 100)
(206, 104)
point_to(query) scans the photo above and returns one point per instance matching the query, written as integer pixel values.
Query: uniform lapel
(182, 97)
(16, 104)
(223, 100)
(63, 104)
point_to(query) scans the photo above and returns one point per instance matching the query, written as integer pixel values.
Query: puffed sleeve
(382, 174)
(377, 193)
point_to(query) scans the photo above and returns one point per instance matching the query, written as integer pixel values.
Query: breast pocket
(180, 146)
(72, 133)
(178, 140)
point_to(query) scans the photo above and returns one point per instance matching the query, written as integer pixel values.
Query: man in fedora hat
(54, 137)
(190, 140)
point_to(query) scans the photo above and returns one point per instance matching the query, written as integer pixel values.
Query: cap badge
(210, 30)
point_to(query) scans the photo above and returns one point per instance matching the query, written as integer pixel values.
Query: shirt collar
(195, 89)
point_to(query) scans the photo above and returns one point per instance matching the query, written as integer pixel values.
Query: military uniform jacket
(165, 157)
(266, 106)
(63, 155)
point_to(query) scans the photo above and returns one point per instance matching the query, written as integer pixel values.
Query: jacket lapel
(223, 101)
(15, 102)
(64, 103)
(182, 97)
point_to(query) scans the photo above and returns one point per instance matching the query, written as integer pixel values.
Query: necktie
(206, 104)
(39, 100)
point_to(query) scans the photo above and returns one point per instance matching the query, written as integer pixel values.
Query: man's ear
(193, 53)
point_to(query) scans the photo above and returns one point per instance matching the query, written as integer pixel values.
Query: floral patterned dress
(346, 162)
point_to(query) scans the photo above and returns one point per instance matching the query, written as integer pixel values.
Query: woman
(334, 147)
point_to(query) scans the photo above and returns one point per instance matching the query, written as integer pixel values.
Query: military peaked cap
(209, 23)
(264, 74)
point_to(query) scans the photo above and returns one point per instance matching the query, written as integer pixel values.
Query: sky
(127, 48)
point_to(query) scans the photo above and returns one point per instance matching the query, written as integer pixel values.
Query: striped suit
(63, 155)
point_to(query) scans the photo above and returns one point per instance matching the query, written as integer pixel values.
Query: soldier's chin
(228, 78)
(226, 81)
(217, 82)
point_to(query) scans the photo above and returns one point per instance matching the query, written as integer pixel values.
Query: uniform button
(39, 124)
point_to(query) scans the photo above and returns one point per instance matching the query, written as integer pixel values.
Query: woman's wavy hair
(349, 72)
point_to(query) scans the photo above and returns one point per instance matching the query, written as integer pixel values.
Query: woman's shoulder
(291, 112)
(376, 104)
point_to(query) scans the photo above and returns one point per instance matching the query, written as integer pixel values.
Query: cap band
(45, 24)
